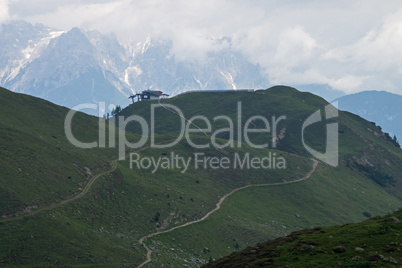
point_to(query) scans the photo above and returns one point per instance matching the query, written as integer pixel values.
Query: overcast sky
(349, 45)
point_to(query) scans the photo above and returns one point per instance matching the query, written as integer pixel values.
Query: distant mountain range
(381, 107)
(79, 66)
(74, 67)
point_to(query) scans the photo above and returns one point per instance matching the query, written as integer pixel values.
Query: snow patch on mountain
(80, 66)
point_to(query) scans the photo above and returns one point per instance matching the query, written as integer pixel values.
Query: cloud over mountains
(348, 45)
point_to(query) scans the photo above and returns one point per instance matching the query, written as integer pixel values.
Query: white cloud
(4, 16)
(23, 8)
(294, 45)
(373, 61)
(348, 83)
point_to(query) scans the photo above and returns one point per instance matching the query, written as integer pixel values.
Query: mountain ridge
(381, 107)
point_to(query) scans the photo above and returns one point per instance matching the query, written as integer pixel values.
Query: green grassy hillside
(104, 226)
(362, 145)
(276, 101)
(257, 214)
(373, 243)
(38, 165)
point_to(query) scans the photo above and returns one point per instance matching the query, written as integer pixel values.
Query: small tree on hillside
(396, 142)
(116, 110)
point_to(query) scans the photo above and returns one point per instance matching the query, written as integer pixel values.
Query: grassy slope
(373, 243)
(332, 196)
(123, 204)
(276, 101)
(358, 138)
(258, 214)
(38, 165)
(121, 207)
(362, 145)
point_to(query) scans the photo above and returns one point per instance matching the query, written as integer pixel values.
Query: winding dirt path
(217, 207)
(75, 197)
(81, 194)
(142, 239)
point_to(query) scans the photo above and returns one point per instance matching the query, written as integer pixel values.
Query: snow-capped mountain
(77, 66)
(67, 68)
(153, 65)
(20, 44)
